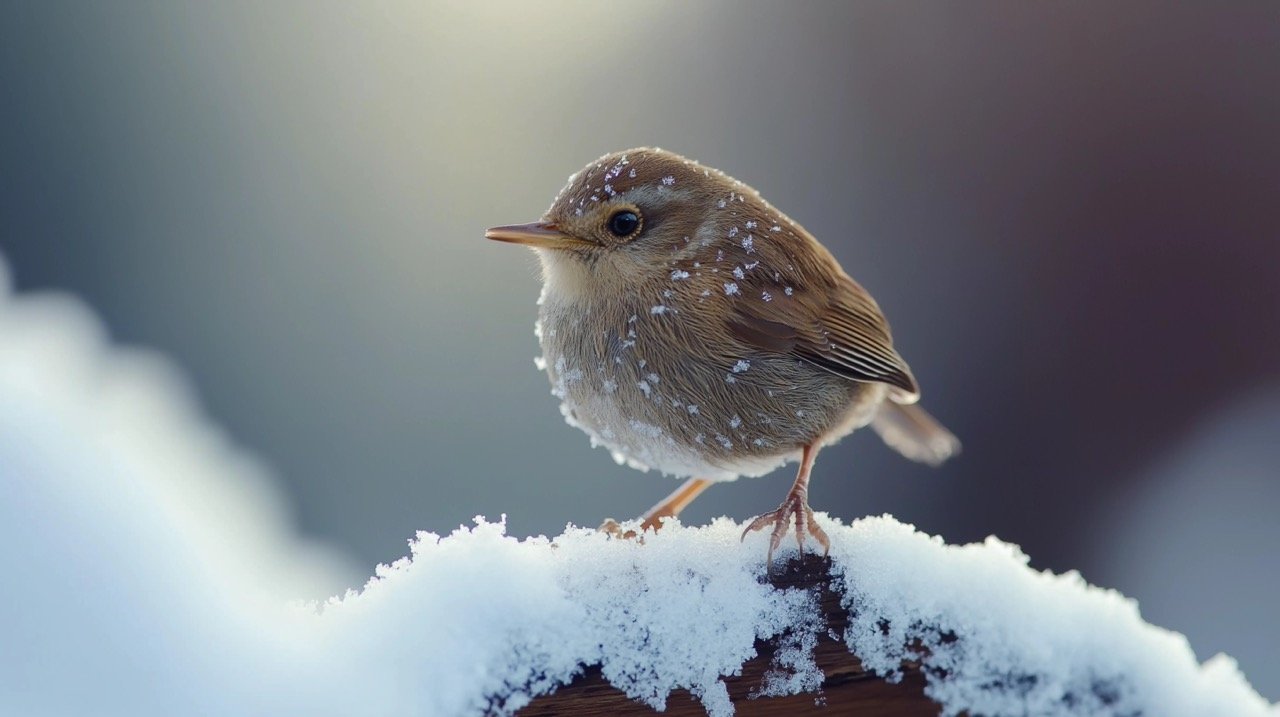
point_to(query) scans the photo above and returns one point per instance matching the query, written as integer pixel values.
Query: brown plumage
(689, 326)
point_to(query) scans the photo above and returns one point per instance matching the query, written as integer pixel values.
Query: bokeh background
(1070, 213)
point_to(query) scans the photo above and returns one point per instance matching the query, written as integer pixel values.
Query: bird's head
(626, 217)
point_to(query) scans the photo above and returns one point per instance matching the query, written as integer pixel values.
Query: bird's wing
(838, 328)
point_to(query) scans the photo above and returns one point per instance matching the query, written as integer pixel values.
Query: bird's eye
(624, 223)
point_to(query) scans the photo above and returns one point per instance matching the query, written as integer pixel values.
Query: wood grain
(846, 689)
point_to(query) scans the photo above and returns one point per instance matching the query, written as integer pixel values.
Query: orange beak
(543, 235)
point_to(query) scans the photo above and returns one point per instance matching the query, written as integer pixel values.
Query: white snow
(1020, 641)
(151, 570)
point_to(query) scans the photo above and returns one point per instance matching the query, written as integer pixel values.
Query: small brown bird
(690, 327)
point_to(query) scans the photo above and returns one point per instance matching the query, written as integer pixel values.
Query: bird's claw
(614, 529)
(781, 518)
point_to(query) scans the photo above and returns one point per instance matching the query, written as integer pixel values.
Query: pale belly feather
(619, 381)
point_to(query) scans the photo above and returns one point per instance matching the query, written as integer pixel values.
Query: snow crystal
(738, 273)
(766, 296)
(724, 441)
(653, 378)
(568, 375)
(748, 243)
(644, 387)
(147, 544)
(736, 421)
(609, 385)
(750, 224)
(788, 291)
(775, 228)
(679, 274)
(731, 288)
(668, 180)
(733, 232)
(692, 408)
(659, 309)
(741, 365)
(648, 430)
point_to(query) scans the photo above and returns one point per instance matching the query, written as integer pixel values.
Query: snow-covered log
(847, 686)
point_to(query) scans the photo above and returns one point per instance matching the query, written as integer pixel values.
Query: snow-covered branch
(690, 606)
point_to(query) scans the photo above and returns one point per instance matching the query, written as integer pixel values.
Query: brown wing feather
(840, 329)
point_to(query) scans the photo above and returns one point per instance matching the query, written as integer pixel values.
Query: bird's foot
(796, 508)
(614, 529)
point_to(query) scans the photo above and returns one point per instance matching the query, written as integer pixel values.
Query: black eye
(624, 223)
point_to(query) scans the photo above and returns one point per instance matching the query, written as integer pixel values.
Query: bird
(691, 328)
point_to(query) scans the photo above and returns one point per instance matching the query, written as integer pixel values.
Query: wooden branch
(847, 688)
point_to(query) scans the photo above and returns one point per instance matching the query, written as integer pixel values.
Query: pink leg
(795, 504)
(669, 507)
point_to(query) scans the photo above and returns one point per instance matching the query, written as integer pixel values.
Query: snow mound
(686, 607)
(150, 569)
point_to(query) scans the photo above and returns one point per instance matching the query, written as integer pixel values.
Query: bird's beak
(545, 235)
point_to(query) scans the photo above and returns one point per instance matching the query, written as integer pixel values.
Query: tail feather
(915, 434)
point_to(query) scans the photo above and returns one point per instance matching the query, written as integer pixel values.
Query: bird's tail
(915, 434)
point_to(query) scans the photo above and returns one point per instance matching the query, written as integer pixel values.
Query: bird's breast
(640, 381)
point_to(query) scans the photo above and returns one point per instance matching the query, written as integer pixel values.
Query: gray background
(1069, 212)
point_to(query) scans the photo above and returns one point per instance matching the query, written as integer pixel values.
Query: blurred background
(1070, 213)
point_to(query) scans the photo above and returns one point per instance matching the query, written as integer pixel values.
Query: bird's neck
(566, 277)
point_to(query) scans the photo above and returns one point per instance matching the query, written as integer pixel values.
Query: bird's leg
(795, 504)
(668, 507)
